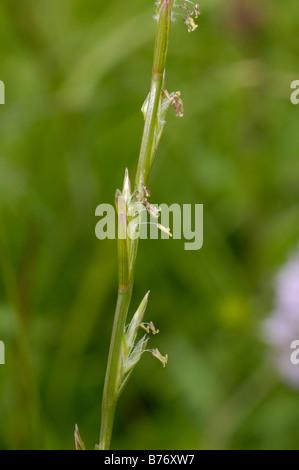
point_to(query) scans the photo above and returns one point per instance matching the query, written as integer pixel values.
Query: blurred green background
(76, 74)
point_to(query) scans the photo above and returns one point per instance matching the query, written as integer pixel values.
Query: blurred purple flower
(282, 326)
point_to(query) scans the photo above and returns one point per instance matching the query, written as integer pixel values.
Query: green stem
(110, 393)
(110, 387)
(160, 53)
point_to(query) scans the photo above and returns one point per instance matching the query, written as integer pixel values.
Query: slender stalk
(160, 53)
(110, 393)
(110, 387)
(125, 285)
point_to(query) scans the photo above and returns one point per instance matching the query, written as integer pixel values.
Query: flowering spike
(124, 354)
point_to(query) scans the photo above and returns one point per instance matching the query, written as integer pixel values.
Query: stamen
(156, 353)
(149, 327)
(176, 101)
(185, 7)
(188, 20)
(190, 24)
(165, 230)
(152, 210)
(153, 329)
(146, 190)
